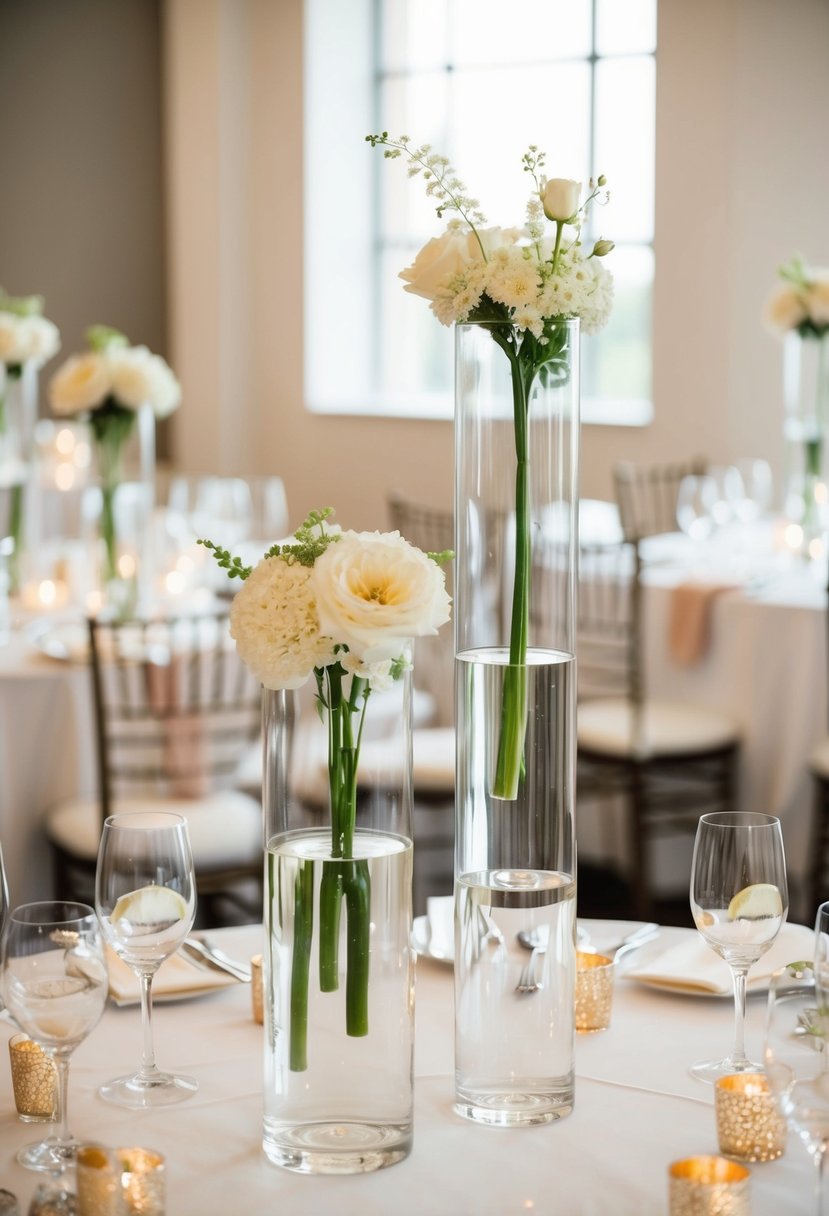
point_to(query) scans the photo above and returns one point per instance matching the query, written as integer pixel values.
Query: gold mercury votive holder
(120, 1182)
(34, 1080)
(256, 989)
(594, 991)
(749, 1126)
(708, 1186)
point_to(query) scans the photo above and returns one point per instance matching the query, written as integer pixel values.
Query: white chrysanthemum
(81, 383)
(275, 624)
(598, 301)
(513, 279)
(138, 376)
(378, 674)
(374, 591)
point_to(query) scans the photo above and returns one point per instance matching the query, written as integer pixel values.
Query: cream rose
(784, 309)
(817, 300)
(28, 338)
(83, 382)
(138, 376)
(374, 591)
(274, 622)
(439, 261)
(560, 198)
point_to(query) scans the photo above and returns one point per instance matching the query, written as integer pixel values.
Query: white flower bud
(560, 198)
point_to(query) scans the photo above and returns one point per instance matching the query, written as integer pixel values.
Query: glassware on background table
(728, 493)
(758, 489)
(695, 501)
(797, 1066)
(145, 894)
(821, 956)
(54, 981)
(739, 901)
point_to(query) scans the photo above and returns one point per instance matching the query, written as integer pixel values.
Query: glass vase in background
(338, 968)
(516, 488)
(18, 415)
(806, 397)
(118, 512)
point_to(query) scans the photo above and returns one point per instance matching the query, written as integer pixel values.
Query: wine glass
(695, 500)
(758, 489)
(739, 901)
(145, 894)
(55, 987)
(796, 1056)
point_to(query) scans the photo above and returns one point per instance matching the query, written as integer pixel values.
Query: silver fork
(527, 980)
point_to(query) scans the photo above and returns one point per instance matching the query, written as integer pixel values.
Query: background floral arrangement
(800, 302)
(343, 607)
(25, 334)
(109, 383)
(520, 285)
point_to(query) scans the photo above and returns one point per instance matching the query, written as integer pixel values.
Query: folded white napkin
(176, 977)
(693, 966)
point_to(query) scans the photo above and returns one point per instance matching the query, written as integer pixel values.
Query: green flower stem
(358, 909)
(16, 534)
(510, 763)
(300, 965)
(108, 534)
(331, 895)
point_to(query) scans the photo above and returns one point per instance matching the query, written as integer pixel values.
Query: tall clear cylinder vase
(516, 495)
(806, 435)
(118, 518)
(338, 967)
(18, 416)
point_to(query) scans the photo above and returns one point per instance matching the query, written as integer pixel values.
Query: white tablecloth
(637, 1109)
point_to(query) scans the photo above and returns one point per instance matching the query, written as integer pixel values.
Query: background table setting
(637, 1108)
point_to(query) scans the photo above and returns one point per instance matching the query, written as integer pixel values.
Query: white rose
(8, 337)
(784, 309)
(374, 591)
(560, 198)
(138, 376)
(39, 339)
(440, 260)
(81, 383)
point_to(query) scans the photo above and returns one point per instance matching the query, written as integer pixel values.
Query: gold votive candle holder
(749, 1126)
(594, 991)
(98, 1182)
(256, 989)
(708, 1186)
(34, 1080)
(143, 1181)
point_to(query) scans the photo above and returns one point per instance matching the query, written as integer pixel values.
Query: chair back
(175, 707)
(647, 495)
(432, 530)
(608, 635)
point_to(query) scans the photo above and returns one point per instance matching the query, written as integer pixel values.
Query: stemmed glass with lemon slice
(145, 897)
(739, 901)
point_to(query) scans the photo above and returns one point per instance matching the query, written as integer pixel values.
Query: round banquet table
(637, 1109)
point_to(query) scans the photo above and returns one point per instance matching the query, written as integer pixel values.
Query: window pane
(616, 363)
(416, 106)
(413, 34)
(490, 32)
(625, 146)
(494, 135)
(625, 28)
(415, 351)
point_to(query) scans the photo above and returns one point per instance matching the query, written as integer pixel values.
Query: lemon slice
(150, 905)
(758, 900)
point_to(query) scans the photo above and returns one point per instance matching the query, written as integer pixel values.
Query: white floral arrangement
(26, 336)
(800, 302)
(526, 276)
(335, 597)
(344, 607)
(113, 373)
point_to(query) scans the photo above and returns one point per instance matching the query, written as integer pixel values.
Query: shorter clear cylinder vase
(516, 450)
(18, 415)
(338, 967)
(806, 436)
(118, 517)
